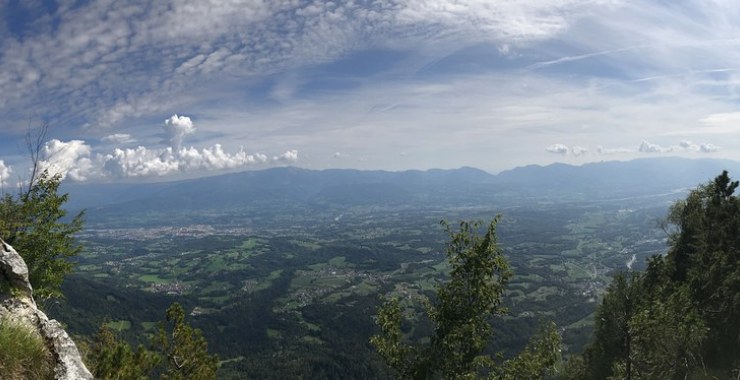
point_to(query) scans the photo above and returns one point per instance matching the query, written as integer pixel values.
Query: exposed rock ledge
(17, 305)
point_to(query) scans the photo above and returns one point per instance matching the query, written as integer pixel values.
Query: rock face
(17, 305)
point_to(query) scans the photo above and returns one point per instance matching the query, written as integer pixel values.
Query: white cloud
(176, 128)
(119, 138)
(74, 159)
(68, 159)
(557, 148)
(708, 148)
(647, 147)
(139, 162)
(144, 162)
(631, 68)
(5, 172)
(685, 146)
(689, 146)
(106, 71)
(290, 156)
(566, 150)
(731, 119)
(578, 150)
(607, 151)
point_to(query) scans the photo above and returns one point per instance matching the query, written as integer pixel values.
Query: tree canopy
(681, 317)
(35, 222)
(461, 318)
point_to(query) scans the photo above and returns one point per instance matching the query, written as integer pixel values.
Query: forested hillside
(680, 318)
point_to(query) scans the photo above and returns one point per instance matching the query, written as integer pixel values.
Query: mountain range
(286, 187)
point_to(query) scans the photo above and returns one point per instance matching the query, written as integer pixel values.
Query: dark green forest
(680, 318)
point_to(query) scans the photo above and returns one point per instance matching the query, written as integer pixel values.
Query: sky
(158, 90)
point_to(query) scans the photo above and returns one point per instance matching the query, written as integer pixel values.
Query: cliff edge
(17, 306)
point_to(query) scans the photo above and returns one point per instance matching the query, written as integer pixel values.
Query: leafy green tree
(668, 335)
(537, 360)
(113, 358)
(178, 351)
(184, 350)
(38, 227)
(460, 316)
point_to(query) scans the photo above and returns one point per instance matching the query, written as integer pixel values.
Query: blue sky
(153, 90)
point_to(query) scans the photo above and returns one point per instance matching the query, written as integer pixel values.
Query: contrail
(540, 65)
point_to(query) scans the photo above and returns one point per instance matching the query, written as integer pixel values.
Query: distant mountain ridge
(291, 186)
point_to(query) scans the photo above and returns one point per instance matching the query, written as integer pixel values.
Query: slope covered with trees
(681, 317)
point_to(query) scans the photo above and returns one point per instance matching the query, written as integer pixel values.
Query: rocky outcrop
(17, 305)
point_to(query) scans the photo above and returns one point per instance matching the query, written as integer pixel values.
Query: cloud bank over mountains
(76, 160)
(645, 147)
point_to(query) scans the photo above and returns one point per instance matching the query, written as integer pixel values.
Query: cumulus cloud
(689, 146)
(119, 138)
(564, 149)
(68, 159)
(144, 162)
(685, 146)
(578, 150)
(647, 147)
(74, 159)
(287, 157)
(176, 128)
(557, 148)
(5, 172)
(708, 148)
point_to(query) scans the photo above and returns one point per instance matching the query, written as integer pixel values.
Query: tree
(613, 338)
(537, 360)
(183, 349)
(681, 317)
(705, 258)
(112, 358)
(460, 316)
(178, 351)
(36, 224)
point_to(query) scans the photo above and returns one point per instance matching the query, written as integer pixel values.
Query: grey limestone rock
(13, 269)
(17, 305)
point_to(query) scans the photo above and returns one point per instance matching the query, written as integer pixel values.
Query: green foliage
(537, 360)
(613, 336)
(178, 352)
(37, 226)
(389, 343)
(681, 318)
(184, 350)
(23, 354)
(113, 358)
(460, 316)
(667, 339)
